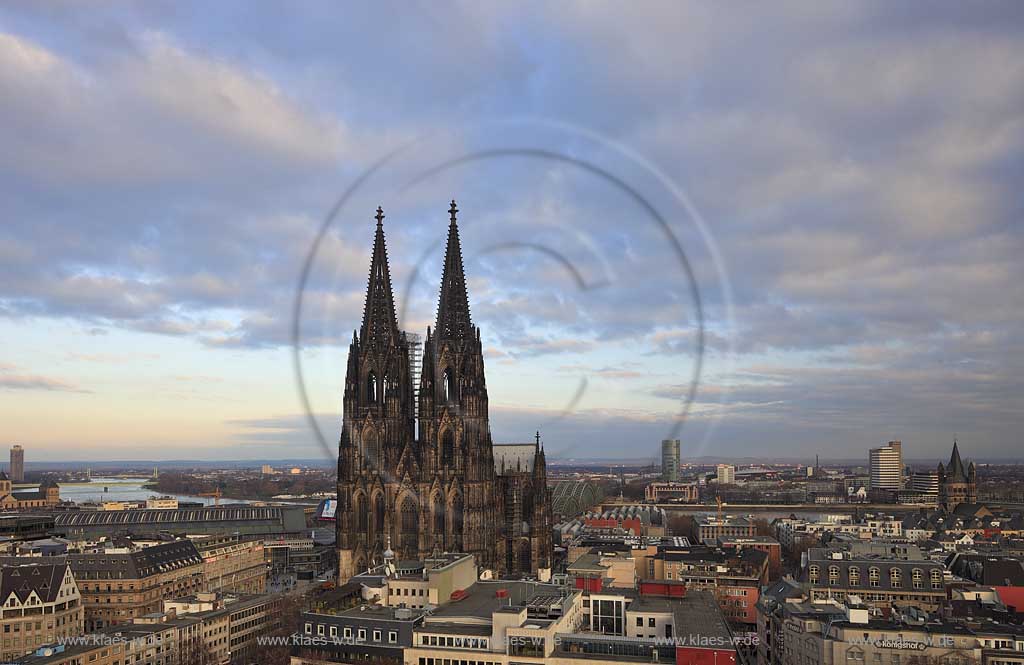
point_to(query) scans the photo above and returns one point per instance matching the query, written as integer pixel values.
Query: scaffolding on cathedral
(415, 359)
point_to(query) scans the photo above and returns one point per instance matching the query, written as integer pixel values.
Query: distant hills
(111, 465)
(320, 463)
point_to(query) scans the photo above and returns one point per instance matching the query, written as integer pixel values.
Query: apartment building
(248, 619)
(143, 644)
(878, 579)
(40, 604)
(232, 563)
(711, 528)
(766, 544)
(364, 633)
(733, 576)
(118, 585)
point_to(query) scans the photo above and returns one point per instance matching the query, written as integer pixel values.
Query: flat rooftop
(651, 604)
(448, 628)
(740, 540)
(587, 563)
(697, 616)
(445, 560)
(383, 613)
(481, 599)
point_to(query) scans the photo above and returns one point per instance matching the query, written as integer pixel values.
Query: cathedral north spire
(379, 320)
(453, 319)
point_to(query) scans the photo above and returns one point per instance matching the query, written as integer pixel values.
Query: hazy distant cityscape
(749, 557)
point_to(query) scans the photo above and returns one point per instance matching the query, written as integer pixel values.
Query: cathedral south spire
(379, 320)
(453, 320)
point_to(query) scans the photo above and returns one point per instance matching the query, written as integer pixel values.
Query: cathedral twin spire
(453, 320)
(453, 317)
(419, 465)
(379, 320)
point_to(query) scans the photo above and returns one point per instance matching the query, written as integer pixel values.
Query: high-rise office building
(670, 459)
(886, 464)
(17, 464)
(925, 481)
(726, 474)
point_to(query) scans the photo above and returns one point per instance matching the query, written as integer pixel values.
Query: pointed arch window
(439, 517)
(455, 525)
(378, 517)
(371, 450)
(447, 449)
(525, 561)
(371, 387)
(410, 528)
(448, 385)
(362, 516)
(385, 387)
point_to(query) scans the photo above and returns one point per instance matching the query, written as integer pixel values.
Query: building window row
(454, 642)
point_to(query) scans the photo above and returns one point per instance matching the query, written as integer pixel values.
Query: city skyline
(166, 178)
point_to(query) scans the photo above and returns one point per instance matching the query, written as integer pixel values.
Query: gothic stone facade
(449, 489)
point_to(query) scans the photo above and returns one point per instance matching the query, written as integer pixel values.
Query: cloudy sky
(828, 194)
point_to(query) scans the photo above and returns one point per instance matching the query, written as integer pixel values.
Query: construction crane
(215, 494)
(718, 501)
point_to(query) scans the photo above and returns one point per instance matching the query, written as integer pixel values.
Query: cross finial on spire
(452, 210)
(380, 216)
(538, 439)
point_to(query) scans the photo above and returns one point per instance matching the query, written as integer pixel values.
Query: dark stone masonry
(449, 488)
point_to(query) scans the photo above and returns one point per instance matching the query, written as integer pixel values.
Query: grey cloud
(9, 380)
(859, 166)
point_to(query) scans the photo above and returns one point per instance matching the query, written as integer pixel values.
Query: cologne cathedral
(417, 470)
